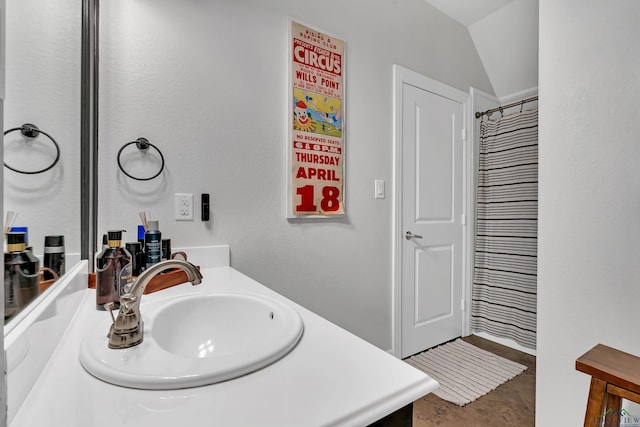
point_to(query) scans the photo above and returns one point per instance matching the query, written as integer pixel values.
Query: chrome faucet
(127, 329)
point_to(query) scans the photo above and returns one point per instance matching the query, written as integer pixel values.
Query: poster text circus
(317, 126)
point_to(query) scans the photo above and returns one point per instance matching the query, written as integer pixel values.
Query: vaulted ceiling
(505, 33)
(468, 12)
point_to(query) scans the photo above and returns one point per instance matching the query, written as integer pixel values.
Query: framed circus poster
(316, 137)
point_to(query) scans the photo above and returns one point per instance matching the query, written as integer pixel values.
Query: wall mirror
(44, 87)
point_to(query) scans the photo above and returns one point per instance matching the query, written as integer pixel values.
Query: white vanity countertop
(331, 377)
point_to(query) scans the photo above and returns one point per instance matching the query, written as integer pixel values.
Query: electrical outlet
(184, 207)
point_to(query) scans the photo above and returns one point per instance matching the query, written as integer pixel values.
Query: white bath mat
(465, 372)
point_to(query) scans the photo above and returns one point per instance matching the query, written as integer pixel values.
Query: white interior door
(432, 215)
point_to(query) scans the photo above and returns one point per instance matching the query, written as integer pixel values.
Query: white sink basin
(197, 340)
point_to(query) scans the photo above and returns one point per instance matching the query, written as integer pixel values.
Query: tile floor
(511, 404)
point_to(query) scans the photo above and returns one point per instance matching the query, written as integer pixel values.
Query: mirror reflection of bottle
(152, 243)
(21, 275)
(113, 271)
(54, 256)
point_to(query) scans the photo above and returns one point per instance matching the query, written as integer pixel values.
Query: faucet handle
(109, 306)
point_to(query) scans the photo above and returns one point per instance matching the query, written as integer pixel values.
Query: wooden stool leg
(614, 403)
(595, 403)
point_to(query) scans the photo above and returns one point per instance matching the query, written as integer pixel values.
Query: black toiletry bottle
(113, 271)
(137, 257)
(166, 249)
(21, 275)
(54, 256)
(152, 244)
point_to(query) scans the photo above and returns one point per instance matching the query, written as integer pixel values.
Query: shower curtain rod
(501, 108)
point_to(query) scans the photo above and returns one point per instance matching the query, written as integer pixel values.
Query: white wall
(43, 46)
(589, 233)
(206, 81)
(507, 41)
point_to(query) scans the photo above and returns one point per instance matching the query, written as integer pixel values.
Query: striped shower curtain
(505, 264)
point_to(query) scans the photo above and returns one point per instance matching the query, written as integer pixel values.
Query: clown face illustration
(301, 118)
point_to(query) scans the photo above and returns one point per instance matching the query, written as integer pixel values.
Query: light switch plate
(379, 189)
(184, 207)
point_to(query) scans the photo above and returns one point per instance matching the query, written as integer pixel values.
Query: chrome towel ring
(142, 144)
(31, 131)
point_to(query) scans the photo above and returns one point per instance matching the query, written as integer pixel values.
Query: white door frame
(401, 76)
(479, 101)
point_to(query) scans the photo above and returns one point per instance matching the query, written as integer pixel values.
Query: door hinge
(462, 305)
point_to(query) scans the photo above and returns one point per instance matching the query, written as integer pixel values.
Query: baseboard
(506, 342)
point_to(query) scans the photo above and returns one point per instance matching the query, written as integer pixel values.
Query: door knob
(410, 236)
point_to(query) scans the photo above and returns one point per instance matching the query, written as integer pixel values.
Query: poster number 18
(330, 201)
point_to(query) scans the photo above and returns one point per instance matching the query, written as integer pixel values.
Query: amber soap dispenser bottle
(21, 275)
(113, 271)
